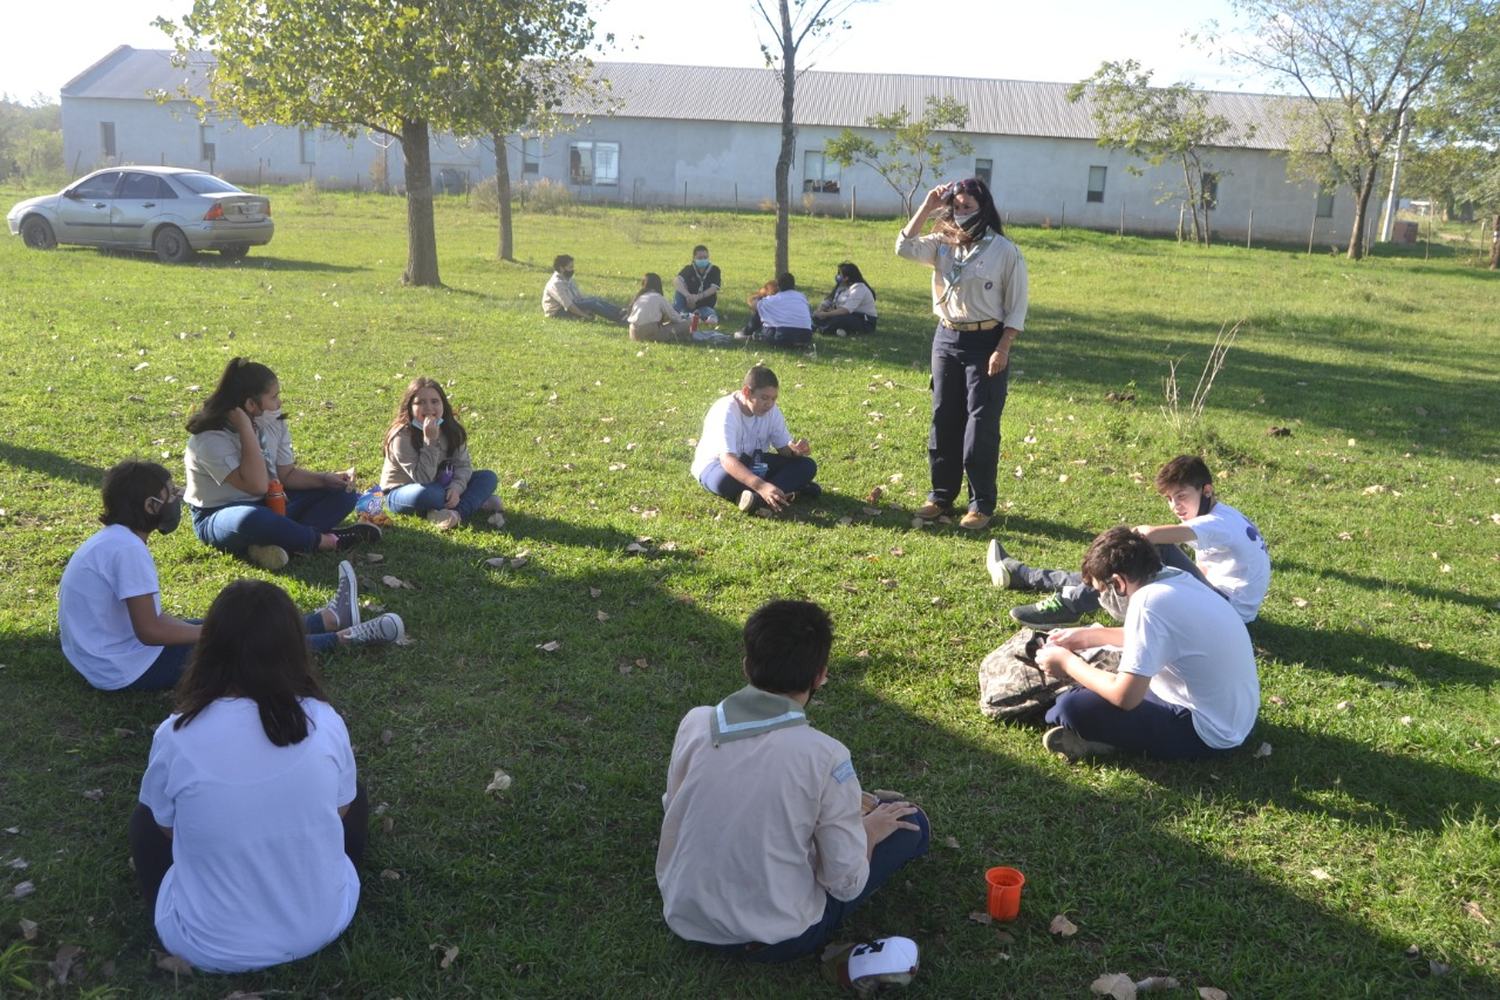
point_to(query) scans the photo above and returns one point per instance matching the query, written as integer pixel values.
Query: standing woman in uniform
(979, 298)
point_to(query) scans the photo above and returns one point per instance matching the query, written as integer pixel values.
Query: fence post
(1311, 231)
(853, 203)
(736, 196)
(1249, 228)
(684, 194)
(1062, 216)
(1121, 233)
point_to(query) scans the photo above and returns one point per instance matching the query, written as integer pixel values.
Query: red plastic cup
(1005, 893)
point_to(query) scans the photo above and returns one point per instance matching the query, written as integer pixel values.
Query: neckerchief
(956, 269)
(753, 712)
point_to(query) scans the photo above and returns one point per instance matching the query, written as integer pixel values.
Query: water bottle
(276, 497)
(758, 464)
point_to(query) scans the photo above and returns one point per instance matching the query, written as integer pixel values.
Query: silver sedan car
(171, 211)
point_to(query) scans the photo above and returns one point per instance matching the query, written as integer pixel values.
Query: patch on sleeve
(844, 772)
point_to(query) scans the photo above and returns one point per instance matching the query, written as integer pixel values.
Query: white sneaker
(345, 602)
(444, 519)
(492, 503)
(386, 628)
(497, 519)
(994, 561)
(271, 557)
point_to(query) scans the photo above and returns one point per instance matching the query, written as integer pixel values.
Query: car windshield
(206, 184)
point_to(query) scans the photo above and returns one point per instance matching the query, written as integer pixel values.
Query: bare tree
(1360, 65)
(792, 24)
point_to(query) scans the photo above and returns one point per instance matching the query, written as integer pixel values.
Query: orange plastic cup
(1005, 893)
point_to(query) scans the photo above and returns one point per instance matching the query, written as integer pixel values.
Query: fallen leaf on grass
(937, 602)
(1471, 908)
(22, 890)
(386, 736)
(19, 864)
(1276, 699)
(396, 583)
(642, 663)
(1264, 750)
(374, 557)
(500, 783)
(951, 841)
(1320, 875)
(981, 918)
(887, 582)
(520, 560)
(120, 733)
(1301, 602)
(1372, 490)
(28, 929)
(176, 966)
(595, 593)
(1212, 993)
(846, 520)
(549, 647)
(63, 963)
(1156, 984)
(1439, 968)
(602, 616)
(499, 562)
(875, 495)
(1113, 984)
(391, 874)
(1005, 937)
(1344, 706)
(94, 795)
(1062, 926)
(450, 952)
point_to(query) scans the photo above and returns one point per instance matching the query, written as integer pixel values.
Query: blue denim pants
(309, 513)
(167, 669)
(789, 473)
(418, 498)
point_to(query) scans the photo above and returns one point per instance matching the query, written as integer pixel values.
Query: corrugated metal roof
(725, 94)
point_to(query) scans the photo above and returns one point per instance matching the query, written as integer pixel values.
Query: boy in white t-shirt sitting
(1232, 556)
(746, 454)
(1186, 686)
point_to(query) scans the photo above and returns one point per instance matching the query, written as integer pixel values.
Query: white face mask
(1114, 603)
(963, 220)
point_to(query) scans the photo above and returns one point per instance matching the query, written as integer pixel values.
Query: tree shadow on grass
(51, 464)
(1385, 585)
(1368, 656)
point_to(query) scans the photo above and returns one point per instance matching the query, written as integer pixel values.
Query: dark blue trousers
(966, 406)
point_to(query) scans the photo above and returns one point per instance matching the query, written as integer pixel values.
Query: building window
(308, 143)
(531, 156)
(1325, 204)
(983, 169)
(594, 163)
(1096, 183)
(1210, 192)
(107, 139)
(206, 142)
(819, 174)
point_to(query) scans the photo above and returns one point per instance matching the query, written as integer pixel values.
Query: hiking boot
(1066, 743)
(932, 509)
(271, 557)
(444, 519)
(1050, 613)
(975, 521)
(345, 602)
(353, 534)
(749, 500)
(377, 631)
(997, 562)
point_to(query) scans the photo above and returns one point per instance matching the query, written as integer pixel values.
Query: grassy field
(1358, 859)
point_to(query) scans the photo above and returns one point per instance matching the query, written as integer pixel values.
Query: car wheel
(36, 233)
(237, 252)
(171, 246)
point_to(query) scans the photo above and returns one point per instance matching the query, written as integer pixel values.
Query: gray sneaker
(386, 628)
(345, 601)
(1066, 743)
(1050, 613)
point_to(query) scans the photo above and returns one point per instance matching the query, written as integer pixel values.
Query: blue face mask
(418, 424)
(701, 265)
(838, 279)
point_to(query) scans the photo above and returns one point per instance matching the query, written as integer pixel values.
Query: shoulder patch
(844, 771)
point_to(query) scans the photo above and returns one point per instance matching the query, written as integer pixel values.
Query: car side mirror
(72, 195)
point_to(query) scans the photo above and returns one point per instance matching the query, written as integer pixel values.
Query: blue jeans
(789, 473)
(1153, 727)
(848, 322)
(890, 854)
(785, 336)
(166, 670)
(418, 498)
(309, 513)
(595, 306)
(706, 314)
(966, 405)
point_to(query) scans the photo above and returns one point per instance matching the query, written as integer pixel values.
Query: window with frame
(107, 139)
(99, 186)
(1325, 205)
(593, 163)
(984, 170)
(307, 143)
(142, 187)
(1210, 192)
(820, 175)
(1096, 183)
(206, 142)
(531, 155)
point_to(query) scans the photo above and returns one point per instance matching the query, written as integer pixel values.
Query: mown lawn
(1370, 829)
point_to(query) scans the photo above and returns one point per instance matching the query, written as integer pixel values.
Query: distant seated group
(780, 314)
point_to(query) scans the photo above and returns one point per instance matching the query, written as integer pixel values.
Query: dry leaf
(1005, 937)
(642, 663)
(602, 617)
(1063, 926)
(870, 511)
(22, 890)
(951, 841)
(1156, 984)
(63, 963)
(635, 547)
(549, 647)
(1264, 750)
(846, 520)
(386, 736)
(1301, 602)
(1344, 706)
(1113, 984)
(1212, 993)
(1320, 874)
(390, 874)
(28, 929)
(981, 918)
(94, 794)
(1276, 699)
(120, 732)
(173, 964)
(449, 954)
(875, 495)
(863, 654)
(500, 783)
(396, 583)
(518, 561)
(624, 669)
(887, 582)
(499, 562)
(1439, 968)
(595, 593)
(1471, 908)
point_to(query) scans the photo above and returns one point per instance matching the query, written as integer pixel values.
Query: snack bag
(371, 507)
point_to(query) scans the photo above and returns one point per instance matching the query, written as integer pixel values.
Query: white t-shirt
(728, 428)
(857, 298)
(211, 456)
(1233, 556)
(785, 309)
(97, 637)
(259, 876)
(1196, 651)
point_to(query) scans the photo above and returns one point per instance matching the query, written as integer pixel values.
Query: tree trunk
(788, 139)
(1495, 243)
(421, 233)
(502, 192)
(1361, 209)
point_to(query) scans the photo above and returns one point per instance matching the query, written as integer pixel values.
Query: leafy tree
(30, 138)
(792, 25)
(912, 148)
(1359, 66)
(469, 67)
(1157, 124)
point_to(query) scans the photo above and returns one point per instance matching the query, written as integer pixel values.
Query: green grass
(1307, 873)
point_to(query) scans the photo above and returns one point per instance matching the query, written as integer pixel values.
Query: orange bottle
(276, 497)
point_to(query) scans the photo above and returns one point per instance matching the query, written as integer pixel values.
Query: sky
(1052, 40)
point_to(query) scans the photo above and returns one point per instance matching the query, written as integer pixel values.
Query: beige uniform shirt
(991, 282)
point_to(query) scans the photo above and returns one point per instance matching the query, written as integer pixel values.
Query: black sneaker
(749, 500)
(1051, 613)
(353, 534)
(811, 491)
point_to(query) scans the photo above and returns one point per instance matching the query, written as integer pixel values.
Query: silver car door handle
(149, 204)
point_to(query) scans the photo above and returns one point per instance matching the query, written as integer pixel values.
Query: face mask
(418, 424)
(701, 265)
(568, 273)
(838, 279)
(1114, 602)
(170, 517)
(963, 220)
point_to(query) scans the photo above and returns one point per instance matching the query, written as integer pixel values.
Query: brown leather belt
(984, 324)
